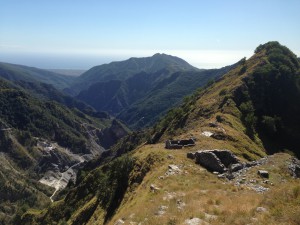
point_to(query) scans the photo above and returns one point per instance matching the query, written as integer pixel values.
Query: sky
(79, 34)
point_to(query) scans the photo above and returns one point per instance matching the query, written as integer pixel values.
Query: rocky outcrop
(210, 161)
(215, 160)
(294, 167)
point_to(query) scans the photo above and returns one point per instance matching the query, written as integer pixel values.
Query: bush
(270, 124)
(223, 92)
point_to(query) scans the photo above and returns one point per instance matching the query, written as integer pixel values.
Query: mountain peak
(123, 70)
(161, 55)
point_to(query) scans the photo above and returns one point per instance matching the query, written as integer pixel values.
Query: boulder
(263, 173)
(210, 161)
(217, 160)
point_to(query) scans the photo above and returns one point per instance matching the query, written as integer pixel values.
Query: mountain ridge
(14, 72)
(164, 186)
(121, 70)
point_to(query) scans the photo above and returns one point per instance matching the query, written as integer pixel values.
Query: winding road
(61, 183)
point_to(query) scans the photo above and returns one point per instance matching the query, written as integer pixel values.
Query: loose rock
(259, 189)
(210, 217)
(119, 222)
(172, 170)
(195, 221)
(180, 204)
(170, 157)
(261, 209)
(161, 210)
(153, 188)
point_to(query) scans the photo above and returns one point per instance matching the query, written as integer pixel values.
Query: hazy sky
(82, 33)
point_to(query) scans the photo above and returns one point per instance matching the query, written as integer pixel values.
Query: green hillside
(240, 112)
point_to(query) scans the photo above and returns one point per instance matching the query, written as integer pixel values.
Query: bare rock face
(216, 160)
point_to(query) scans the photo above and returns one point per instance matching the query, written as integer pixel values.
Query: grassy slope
(203, 193)
(196, 114)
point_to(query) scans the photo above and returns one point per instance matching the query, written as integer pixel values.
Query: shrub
(223, 92)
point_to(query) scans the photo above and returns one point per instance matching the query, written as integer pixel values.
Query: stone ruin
(179, 144)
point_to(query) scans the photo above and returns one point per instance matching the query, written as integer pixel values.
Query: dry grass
(203, 194)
